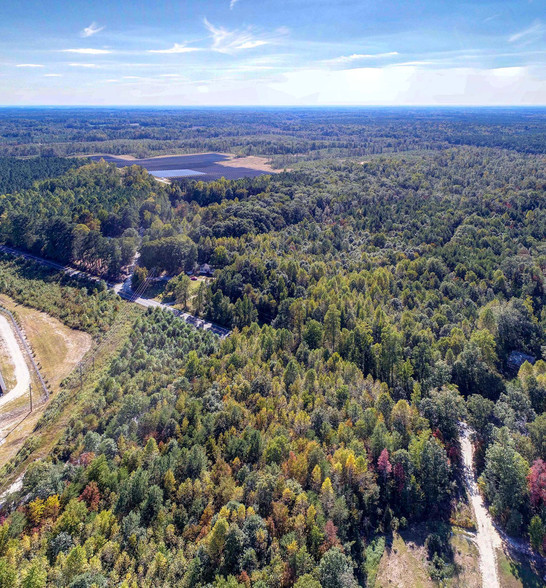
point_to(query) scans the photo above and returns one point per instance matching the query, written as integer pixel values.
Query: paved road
(123, 289)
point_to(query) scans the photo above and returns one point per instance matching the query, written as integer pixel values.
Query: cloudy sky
(273, 52)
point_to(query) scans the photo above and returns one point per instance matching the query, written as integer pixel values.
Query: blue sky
(265, 52)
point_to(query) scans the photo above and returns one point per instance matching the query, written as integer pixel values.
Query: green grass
(515, 574)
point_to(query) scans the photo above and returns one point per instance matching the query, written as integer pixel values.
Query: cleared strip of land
(22, 373)
(58, 349)
(487, 537)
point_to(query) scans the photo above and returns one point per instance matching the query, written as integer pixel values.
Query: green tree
(35, 576)
(335, 570)
(76, 563)
(332, 324)
(536, 532)
(444, 409)
(140, 275)
(433, 473)
(505, 479)
(217, 539)
(182, 290)
(312, 334)
(307, 581)
(8, 575)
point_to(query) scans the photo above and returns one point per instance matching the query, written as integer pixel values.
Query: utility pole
(81, 376)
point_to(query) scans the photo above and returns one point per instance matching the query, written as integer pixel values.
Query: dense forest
(87, 217)
(375, 304)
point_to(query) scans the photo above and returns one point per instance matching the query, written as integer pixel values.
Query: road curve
(123, 291)
(22, 373)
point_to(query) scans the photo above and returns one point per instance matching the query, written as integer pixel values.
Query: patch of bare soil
(125, 157)
(403, 565)
(250, 162)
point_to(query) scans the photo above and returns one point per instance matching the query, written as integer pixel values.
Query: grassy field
(404, 562)
(57, 350)
(58, 347)
(514, 574)
(7, 369)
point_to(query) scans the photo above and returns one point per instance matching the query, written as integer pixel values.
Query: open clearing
(22, 373)
(58, 349)
(404, 563)
(7, 368)
(202, 166)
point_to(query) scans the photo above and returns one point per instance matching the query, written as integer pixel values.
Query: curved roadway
(123, 289)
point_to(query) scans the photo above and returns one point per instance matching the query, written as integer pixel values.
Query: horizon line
(461, 105)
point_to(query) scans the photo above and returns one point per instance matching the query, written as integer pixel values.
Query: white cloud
(412, 85)
(176, 48)
(131, 77)
(29, 65)
(225, 41)
(87, 51)
(252, 44)
(530, 34)
(359, 56)
(169, 76)
(53, 76)
(89, 65)
(92, 29)
(232, 4)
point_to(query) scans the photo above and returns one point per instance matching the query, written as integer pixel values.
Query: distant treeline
(286, 135)
(20, 174)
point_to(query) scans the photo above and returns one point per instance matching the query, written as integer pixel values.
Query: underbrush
(81, 304)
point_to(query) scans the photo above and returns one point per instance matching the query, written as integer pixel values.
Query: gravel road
(487, 537)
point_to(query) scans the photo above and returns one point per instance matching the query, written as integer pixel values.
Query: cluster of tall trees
(20, 174)
(87, 217)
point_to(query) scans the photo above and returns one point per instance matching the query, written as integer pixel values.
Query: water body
(175, 173)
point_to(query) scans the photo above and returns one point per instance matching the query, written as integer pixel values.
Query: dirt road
(487, 537)
(22, 374)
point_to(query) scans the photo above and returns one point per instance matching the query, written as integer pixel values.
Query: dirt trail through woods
(487, 537)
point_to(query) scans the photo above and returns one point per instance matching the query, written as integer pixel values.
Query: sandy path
(487, 537)
(22, 375)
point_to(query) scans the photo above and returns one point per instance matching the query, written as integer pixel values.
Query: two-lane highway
(123, 289)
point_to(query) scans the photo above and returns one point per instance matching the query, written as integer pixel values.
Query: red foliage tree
(383, 464)
(537, 483)
(91, 496)
(399, 476)
(330, 537)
